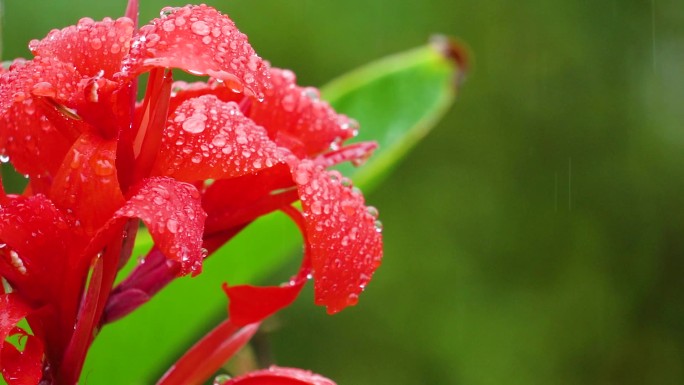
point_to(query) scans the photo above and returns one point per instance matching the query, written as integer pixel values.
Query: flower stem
(209, 354)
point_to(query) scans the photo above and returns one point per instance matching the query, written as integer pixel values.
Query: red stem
(209, 354)
(101, 281)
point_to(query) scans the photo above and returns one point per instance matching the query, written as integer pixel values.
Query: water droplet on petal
(194, 125)
(172, 225)
(220, 379)
(200, 28)
(44, 89)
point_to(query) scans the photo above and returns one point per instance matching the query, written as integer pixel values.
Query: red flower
(195, 162)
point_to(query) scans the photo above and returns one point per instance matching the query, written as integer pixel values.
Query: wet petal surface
(208, 138)
(202, 41)
(86, 183)
(172, 212)
(32, 142)
(90, 46)
(298, 119)
(343, 235)
(40, 77)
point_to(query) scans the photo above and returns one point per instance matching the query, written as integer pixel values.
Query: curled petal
(208, 138)
(182, 91)
(23, 367)
(342, 233)
(298, 119)
(202, 41)
(280, 376)
(86, 184)
(40, 77)
(90, 46)
(18, 368)
(172, 212)
(13, 310)
(39, 256)
(34, 144)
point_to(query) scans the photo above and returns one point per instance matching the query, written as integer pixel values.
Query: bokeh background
(536, 236)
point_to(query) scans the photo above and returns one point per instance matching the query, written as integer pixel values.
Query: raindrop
(4, 158)
(200, 28)
(311, 93)
(96, 43)
(221, 378)
(194, 125)
(378, 226)
(372, 211)
(172, 225)
(166, 11)
(44, 89)
(288, 103)
(219, 141)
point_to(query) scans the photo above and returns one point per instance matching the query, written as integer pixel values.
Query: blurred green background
(536, 236)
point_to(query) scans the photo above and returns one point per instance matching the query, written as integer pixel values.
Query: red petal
(182, 91)
(40, 77)
(207, 138)
(280, 376)
(41, 249)
(172, 212)
(298, 119)
(200, 40)
(90, 46)
(342, 233)
(237, 201)
(18, 368)
(250, 304)
(87, 182)
(13, 310)
(25, 367)
(32, 142)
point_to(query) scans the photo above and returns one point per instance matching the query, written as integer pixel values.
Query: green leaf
(396, 100)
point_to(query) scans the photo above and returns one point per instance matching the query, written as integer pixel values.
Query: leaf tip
(455, 51)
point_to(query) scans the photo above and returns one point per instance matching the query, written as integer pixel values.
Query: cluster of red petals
(195, 162)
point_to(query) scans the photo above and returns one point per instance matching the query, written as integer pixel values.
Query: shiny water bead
(218, 142)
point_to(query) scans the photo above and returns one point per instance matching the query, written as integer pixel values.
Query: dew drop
(44, 89)
(288, 103)
(316, 208)
(200, 28)
(220, 379)
(168, 26)
(194, 125)
(372, 211)
(219, 141)
(96, 43)
(172, 225)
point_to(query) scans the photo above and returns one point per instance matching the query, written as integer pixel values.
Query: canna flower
(195, 162)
